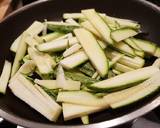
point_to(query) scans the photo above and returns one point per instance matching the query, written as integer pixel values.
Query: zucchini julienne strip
(85, 119)
(53, 46)
(87, 25)
(51, 36)
(63, 83)
(122, 34)
(135, 62)
(81, 98)
(139, 92)
(5, 75)
(124, 80)
(74, 48)
(74, 60)
(146, 46)
(22, 47)
(99, 24)
(61, 27)
(132, 44)
(44, 61)
(89, 44)
(79, 110)
(33, 30)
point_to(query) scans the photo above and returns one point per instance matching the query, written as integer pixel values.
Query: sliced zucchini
(95, 75)
(51, 36)
(157, 52)
(124, 80)
(31, 42)
(61, 27)
(116, 72)
(99, 24)
(28, 97)
(145, 45)
(139, 53)
(53, 46)
(63, 83)
(122, 68)
(54, 109)
(89, 45)
(102, 44)
(26, 58)
(71, 21)
(33, 30)
(51, 84)
(132, 44)
(126, 23)
(74, 48)
(21, 50)
(44, 61)
(85, 119)
(76, 15)
(135, 62)
(71, 111)
(74, 60)
(81, 98)
(138, 92)
(72, 41)
(50, 100)
(5, 75)
(15, 44)
(124, 48)
(122, 34)
(87, 25)
(115, 60)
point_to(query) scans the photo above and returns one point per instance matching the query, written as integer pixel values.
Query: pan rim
(109, 123)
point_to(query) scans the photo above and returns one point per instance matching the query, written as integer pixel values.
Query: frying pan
(16, 111)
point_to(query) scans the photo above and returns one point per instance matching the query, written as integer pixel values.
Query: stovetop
(150, 120)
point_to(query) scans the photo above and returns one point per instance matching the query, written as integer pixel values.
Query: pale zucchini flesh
(22, 47)
(51, 36)
(99, 24)
(44, 61)
(122, 34)
(85, 119)
(33, 30)
(138, 92)
(61, 27)
(71, 50)
(53, 46)
(28, 97)
(5, 75)
(145, 45)
(87, 25)
(71, 111)
(89, 45)
(81, 98)
(74, 60)
(135, 62)
(124, 80)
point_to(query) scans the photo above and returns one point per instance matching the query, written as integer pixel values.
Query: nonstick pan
(16, 111)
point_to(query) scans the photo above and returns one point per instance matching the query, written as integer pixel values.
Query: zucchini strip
(22, 47)
(122, 34)
(5, 75)
(99, 24)
(74, 60)
(124, 80)
(74, 48)
(44, 61)
(33, 30)
(87, 25)
(89, 43)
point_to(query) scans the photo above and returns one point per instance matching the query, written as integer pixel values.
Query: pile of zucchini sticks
(84, 64)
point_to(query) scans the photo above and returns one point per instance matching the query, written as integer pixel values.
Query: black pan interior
(137, 10)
